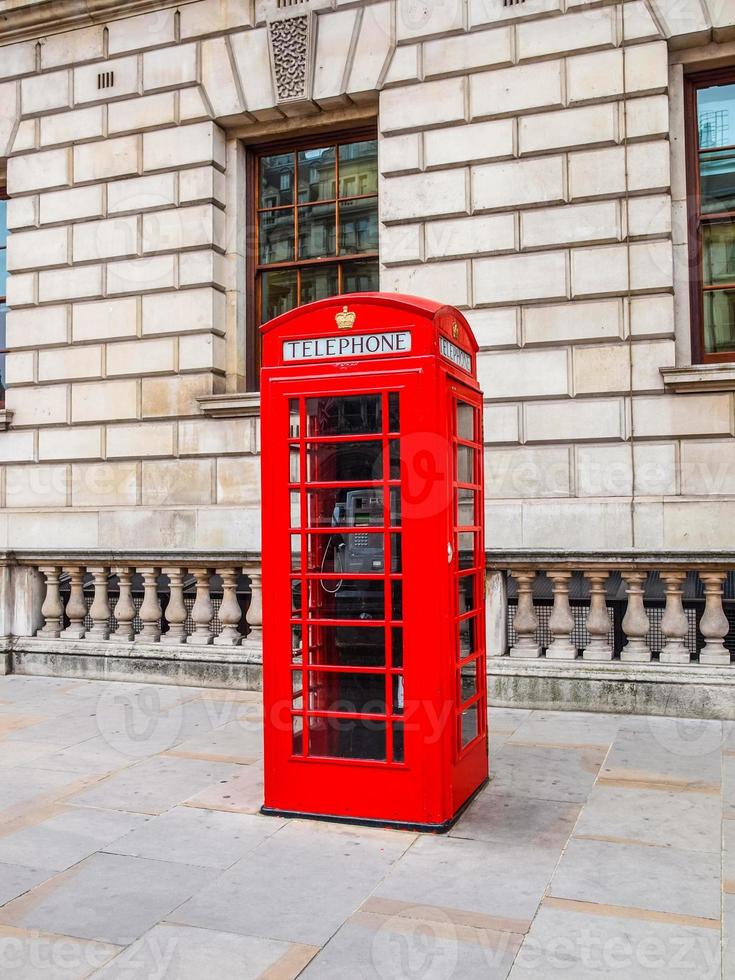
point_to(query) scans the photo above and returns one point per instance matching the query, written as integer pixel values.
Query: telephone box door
(363, 509)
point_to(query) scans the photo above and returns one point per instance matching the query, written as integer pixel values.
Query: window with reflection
(316, 223)
(712, 214)
(3, 286)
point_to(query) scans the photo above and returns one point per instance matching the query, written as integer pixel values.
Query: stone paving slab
(635, 876)
(172, 952)
(300, 884)
(63, 840)
(132, 846)
(109, 898)
(205, 838)
(33, 955)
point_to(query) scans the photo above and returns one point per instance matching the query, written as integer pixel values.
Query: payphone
(374, 672)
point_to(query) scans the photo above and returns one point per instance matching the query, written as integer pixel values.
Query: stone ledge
(700, 377)
(154, 663)
(232, 405)
(675, 690)
(246, 653)
(31, 20)
(6, 417)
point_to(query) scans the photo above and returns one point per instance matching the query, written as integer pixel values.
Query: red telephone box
(374, 675)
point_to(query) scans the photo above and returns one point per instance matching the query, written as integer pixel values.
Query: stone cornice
(24, 21)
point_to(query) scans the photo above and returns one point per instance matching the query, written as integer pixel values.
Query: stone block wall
(527, 175)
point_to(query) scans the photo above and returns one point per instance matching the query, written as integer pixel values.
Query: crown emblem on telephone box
(345, 319)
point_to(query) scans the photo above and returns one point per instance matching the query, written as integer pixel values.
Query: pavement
(131, 846)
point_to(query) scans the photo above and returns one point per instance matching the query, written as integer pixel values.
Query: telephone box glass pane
(468, 681)
(347, 646)
(467, 594)
(467, 628)
(347, 692)
(298, 735)
(347, 599)
(465, 464)
(395, 459)
(294, 464)
(295, 552)
(394, 412)
(397, 599)
(469, 725)
(297, 682)
(296, 596)
(396, 556)
(276, 180)
(294, 419)
(351, 415)
(342, 462)
(465, 422)
(466, 507)
(347, 551)
(466, 549)
(296, 645)
(318, 282)
(295, 508)
(398, 750)
(340, 507)
(348, 738)
(397, 646)
(398, 700)
(317, 175)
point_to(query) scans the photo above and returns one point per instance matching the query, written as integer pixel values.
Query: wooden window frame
(692, 84)
(253, 267)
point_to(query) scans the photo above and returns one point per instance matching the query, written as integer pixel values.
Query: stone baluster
(76, 607)
(714, 625)
(175, 610)
(230, 612)
(635, 621)
(124, 609)
(674, 625)
(202, 611)
(561, 621)
(150, 610)
(525, 622)
(100, 608)
(52, 609)
(255, 609)
(598, 620)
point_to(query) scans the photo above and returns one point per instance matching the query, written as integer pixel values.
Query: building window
(3, 285)
(711, 154)
(316, 224)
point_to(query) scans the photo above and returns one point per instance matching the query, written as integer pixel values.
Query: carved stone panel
(290, 45)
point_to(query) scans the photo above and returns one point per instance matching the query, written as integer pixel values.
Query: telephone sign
(374, 676)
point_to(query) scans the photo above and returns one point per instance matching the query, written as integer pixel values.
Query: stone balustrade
(165, 604)
(664, 611)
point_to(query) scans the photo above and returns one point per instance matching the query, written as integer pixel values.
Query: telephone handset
(358, 552)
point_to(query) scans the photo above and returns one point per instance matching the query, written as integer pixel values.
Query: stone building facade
(534, 168)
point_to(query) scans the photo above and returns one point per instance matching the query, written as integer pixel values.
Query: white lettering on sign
(455, 354)
(355, 345)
